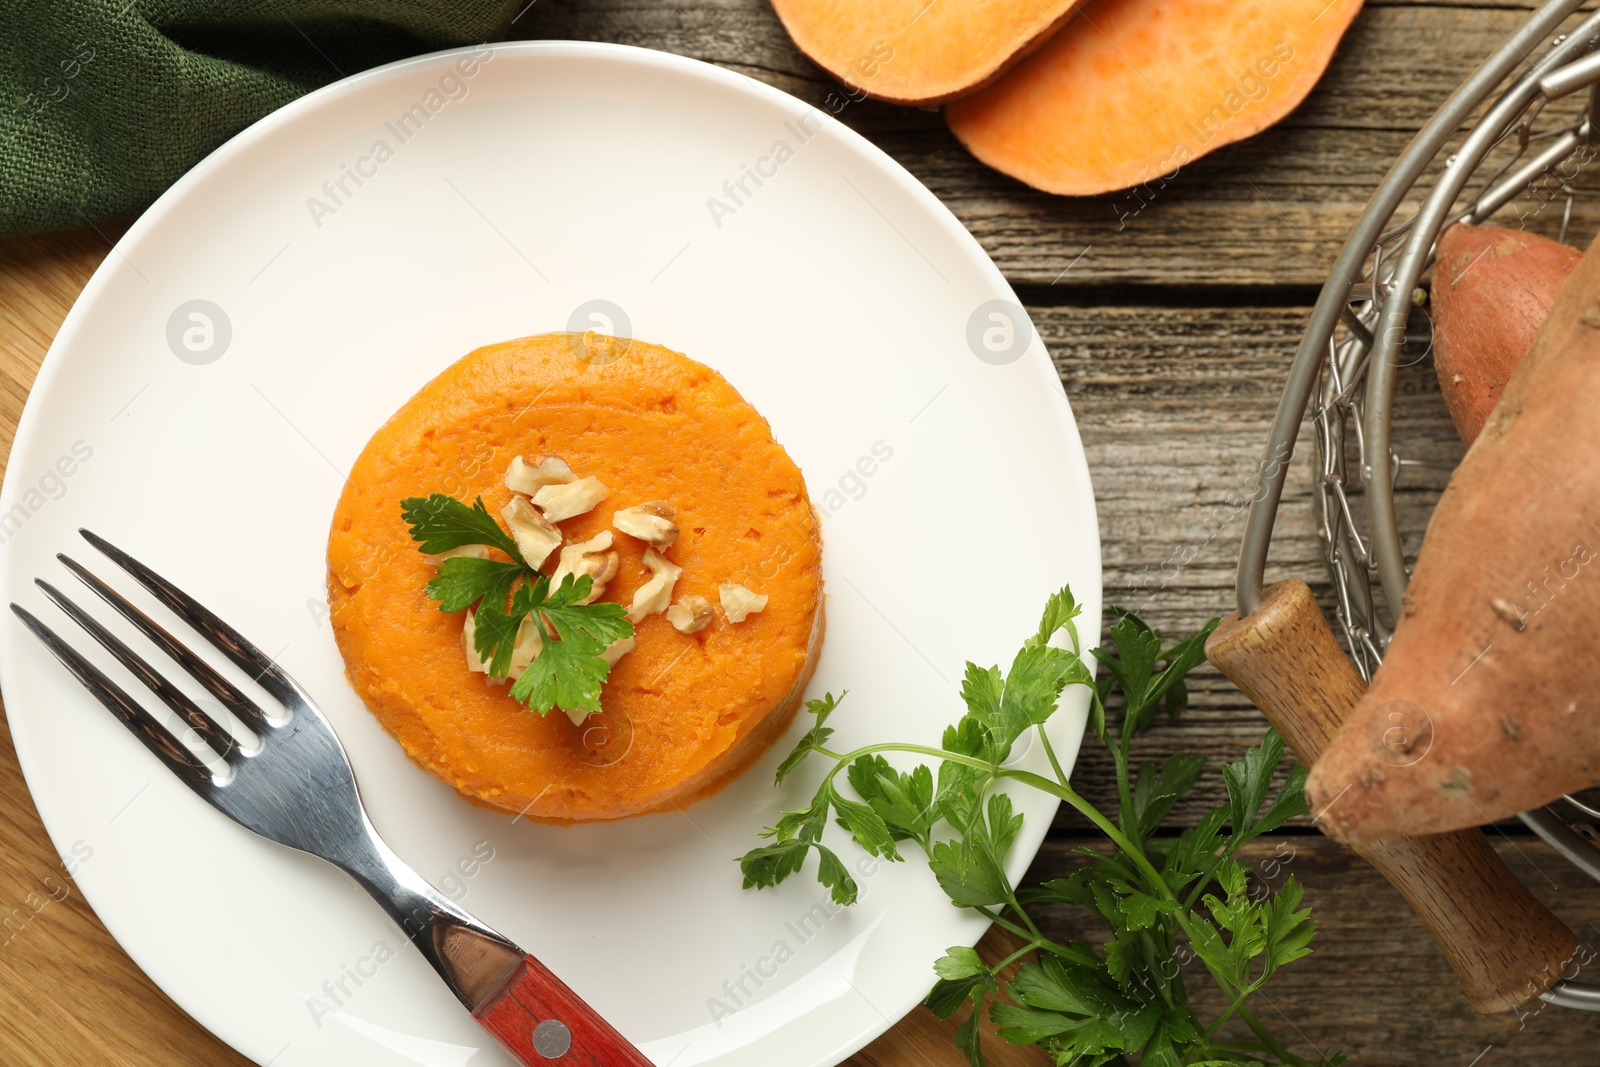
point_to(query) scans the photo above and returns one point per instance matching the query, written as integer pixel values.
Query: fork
(296, 788)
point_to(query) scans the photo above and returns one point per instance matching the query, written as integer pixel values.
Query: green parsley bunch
(1163, 899)
(569, 670)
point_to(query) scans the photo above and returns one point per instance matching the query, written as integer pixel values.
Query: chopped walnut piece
(655, 595)
(588, 557)
(535, 536)
(561, 502)
(528, 478)
(471, 551)
(474, 661)
(690, 614)
(739, 603)
(617, 649)
(527, 647)
(651, 522)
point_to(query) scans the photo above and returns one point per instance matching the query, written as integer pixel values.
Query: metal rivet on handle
(551, 1038)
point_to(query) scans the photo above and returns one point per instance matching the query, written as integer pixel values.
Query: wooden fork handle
(543, 1023)
(1505, 947)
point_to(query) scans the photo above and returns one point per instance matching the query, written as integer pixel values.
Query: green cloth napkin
(104, 103)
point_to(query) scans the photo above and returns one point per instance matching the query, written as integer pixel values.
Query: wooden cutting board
(68, 993)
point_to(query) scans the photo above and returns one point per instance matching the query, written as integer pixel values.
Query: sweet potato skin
(1493, 288)
(1488, 701)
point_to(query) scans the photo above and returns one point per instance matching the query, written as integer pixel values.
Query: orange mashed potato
(683, 713)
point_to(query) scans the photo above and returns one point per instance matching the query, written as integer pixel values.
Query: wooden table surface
(1171, 320)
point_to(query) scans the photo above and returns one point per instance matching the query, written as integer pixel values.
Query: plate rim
(155, 966)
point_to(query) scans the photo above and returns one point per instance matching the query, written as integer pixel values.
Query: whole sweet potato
(1492, 290)
(1488, 701)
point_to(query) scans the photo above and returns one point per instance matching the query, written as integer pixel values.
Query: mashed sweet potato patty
(683, 713)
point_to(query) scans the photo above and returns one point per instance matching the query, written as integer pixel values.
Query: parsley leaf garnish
(1164, 900)
(599, 623)
(495, 625)
(441, 523)
(569, 670)
(462, 581)
(815, 737)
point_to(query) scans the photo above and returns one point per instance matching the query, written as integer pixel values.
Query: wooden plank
(68, 993)
(922, 1039)
(1174, 406)
(1284, 200)
(40, 277)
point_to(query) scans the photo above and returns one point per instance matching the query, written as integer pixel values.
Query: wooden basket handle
(1505, 947)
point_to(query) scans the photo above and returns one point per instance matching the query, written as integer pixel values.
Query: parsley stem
(1268, 1042)
(1014, 957)
(1233, 1007)
(1086, 959)
(1027, 920)
(900, 746)
(1055, 764)
(1123, 757)
(1148, 945)
(1103, 824)
(1060, 790)
(916, 750)
(1271, 1042)
(1207, 877)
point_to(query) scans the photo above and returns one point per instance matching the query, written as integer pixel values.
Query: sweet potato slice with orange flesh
(1492, 290)
(1488, 700)
(919, 51)
(1132, 90)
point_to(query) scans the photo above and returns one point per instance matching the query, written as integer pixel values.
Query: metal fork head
(294, 786)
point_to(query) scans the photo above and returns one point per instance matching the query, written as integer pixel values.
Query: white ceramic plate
(526, 181)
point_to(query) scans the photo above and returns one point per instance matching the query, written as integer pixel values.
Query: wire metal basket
(1537, 107)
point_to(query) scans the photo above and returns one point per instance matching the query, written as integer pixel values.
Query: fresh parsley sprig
(442, 523)
(569, 669)
(1163, 899)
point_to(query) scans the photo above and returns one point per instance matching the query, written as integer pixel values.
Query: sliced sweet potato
(917, 51)
(1488, 700)
(1492, 290)
(1132, 90)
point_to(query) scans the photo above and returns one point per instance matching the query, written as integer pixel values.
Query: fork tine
(201, 671)
(214, 734)
(271, 677)
(178, 759)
